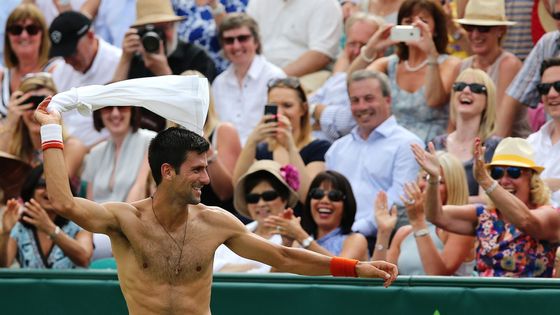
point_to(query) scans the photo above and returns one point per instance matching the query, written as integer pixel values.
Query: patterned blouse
(504, 251)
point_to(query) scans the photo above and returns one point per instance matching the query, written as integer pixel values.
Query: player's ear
(167, 171)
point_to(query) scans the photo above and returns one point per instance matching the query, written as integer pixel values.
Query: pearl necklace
(415, 68)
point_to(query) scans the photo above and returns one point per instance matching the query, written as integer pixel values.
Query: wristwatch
(219, 9)
(307, 242)
(54, 234)
(421, 232)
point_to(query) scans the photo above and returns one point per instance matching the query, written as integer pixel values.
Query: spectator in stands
(421, 73)
(473, 109)
(26, 50)
(517, 231)
(420, 248)
(388, 10)
(545, 142)
(330, 105)
(326, 223)
(21, 136)
(88, 60)
(41, 239)
(240, 92)
(375, 155)
(111, 19)
(289, 138)
(485, 34)
(265, 189)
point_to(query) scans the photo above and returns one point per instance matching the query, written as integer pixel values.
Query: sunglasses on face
(333, 195)
(241, 39)
(268, 195)
(513, 172)
(479, 28)
(474, 87)
(17, 29)
(556, 15)
(544, 88)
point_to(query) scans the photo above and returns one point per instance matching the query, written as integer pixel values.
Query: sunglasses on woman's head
(292, 82)
(268, 195)
(229, 40)
(544, 88)
(474, 87)
(480, 28)
(17, 29)
(333, 194)
(497, 172)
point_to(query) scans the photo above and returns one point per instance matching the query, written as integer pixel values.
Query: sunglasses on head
(291, 82)
(479, 28)
(268, 195)
(333, 194)
(498, 172)
(229, 40)
(17, 29)
(544, 88)
(474, 87)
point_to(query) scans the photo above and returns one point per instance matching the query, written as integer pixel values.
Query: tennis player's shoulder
(215, 215)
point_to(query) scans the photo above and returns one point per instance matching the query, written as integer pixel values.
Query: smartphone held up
(405, 33)
(35, 100)
(271, 109)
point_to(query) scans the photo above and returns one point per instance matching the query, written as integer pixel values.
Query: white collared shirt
(547, 155)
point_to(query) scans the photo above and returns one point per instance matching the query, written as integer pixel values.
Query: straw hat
(515, 152)
(269, 166)
(155, 11)
(13, 172)
(544, 17)
(485, 13)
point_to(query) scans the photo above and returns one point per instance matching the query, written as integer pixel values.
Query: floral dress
(504, 251)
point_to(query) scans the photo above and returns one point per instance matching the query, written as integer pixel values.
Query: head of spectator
(72, 38)
(473, 95)
(240, 39)
(549, 87)
(429, 11)
(330, 204)
(370, 99)
(288, 94)
(359, 27)
(486, 24)
(118, 120)
(26, 37)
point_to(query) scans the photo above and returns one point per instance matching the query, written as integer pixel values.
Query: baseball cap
(65, 31)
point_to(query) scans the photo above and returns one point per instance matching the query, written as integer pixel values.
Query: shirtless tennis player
(164, 246)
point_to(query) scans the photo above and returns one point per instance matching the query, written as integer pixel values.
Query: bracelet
(379, 247)
(51, 137)
(343, 267)
(491, 188)
(433, 182)
(421, 232)
(54, 234)
(364, 57)
(307, 242)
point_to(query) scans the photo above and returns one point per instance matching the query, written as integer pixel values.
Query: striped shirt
(518, 39)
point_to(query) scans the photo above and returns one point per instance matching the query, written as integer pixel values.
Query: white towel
(181, 99)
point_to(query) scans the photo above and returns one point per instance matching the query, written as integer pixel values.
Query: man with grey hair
(386, 161)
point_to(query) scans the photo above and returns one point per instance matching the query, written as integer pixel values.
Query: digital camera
(150, 37)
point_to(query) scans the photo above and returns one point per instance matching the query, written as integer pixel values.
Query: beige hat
(485, 13)
(13, 172)
(155, 11)
(271, 167)
(515, 152)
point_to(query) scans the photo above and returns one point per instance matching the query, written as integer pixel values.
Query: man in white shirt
(240, 92)
(87, 60)
(546, 141)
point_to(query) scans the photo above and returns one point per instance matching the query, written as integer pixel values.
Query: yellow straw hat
(485, 13)
(515, 152)
(155, 11)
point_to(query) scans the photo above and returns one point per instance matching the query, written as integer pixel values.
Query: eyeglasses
(544, 88)
(241, 39)
(479, 28)
(474, 87)
(268, 195)
(333, 194)
(513, 172)
(17, 29)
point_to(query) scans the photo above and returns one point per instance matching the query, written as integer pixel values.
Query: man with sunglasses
(546, 141)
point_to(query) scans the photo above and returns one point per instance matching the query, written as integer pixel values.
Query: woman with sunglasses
(473, 109)
(266, 189)
(26, 50)
(420, 248)
(38, 237)
(326, 223)
(486, 26)
(286, 137)
(517, 231)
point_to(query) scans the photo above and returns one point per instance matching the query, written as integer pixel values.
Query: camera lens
(150, 41)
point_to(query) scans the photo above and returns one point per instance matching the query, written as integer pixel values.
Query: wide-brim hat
(515, 152)
(546, 20)
(155, 11)
(485, 13)
(13, 173)
(270, 166)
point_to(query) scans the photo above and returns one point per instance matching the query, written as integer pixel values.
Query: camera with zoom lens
(150, 37)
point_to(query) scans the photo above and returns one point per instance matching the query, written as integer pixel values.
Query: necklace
(415, 68)
(177, 266)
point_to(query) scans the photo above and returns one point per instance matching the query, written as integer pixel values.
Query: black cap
(65, 31)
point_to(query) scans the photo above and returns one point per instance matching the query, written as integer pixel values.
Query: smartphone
(405, 33)
(35, 100)
(271, 109)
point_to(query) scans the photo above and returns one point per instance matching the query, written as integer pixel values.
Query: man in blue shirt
(376, 155)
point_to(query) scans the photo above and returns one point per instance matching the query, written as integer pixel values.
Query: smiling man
(385, 162)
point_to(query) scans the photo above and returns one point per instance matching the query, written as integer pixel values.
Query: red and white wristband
(51, 137)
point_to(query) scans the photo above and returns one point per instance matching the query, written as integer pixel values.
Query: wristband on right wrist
(51, 137)
(343, 267)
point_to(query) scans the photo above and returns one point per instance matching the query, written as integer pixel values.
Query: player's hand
(378, 269)
(45, 117)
